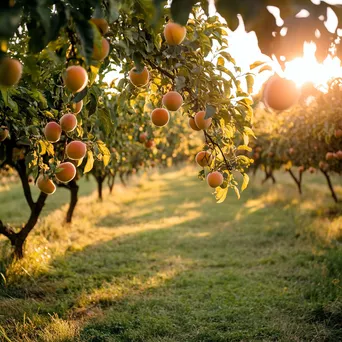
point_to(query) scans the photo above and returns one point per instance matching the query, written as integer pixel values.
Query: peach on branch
(46, 185)
(143, 137)
(52, 131)
(280, 93)
(193, 125)
(338, 133)
(68, 122)
(66, 172)
(160, 117)
(100, 52)
(204, 158)
(172, 101)
(149, 143)
(75, 78)
(139, 79)
(101, 24)
(10, 71)
(329, 156)
(76, 150)
(201, 122)
(215, 179)
(174, 33)
(339, 155)
(77, 107)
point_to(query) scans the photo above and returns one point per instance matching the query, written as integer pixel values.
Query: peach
(46, 185)
(10, 71)
(338, 133)
(215, 179)
(312, 169)
(160, 117)
(139, 79)
(3, 133)
(174, 33)
(193, 125)
(75, 78)
(172, 101)
(143, 137)
(280, 93)
(301, 169)
(101, 52)
(52, 131)
(76, 150)
(101, 24)
(68, 122)
(149, 143)
(77, 107)
(66, 172)
(329, 156)
(338, 155)
(202, 123)
(204, 158)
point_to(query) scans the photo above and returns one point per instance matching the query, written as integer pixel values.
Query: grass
(161, 262)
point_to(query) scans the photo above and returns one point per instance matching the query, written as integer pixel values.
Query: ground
(160, 261)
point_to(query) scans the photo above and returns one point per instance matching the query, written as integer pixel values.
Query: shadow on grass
(184, 268)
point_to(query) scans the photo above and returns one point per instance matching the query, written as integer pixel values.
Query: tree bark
(332, 191)
(18, 239)
(297, 181)
(99, 180)
(121, 175)
(268, 175)
(73, 186)
(111, 181)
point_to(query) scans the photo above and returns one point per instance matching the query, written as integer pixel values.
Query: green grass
(160, 261)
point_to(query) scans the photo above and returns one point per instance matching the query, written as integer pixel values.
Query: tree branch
(163, 71)
(21, 168)
(8, 232)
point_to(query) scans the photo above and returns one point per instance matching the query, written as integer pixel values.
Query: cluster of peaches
(172, 101)
(75, 80)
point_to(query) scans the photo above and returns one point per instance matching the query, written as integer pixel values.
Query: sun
(307, 69)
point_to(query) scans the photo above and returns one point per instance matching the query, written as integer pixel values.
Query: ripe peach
(52, 131)
(66, 172)
(101, 24)
(204, 158)
(202, 123)
(291, 150)
(68, 122)
(301, 169)
(172, 101)
(258, 149)
(338, 133)
(77, 107)
(143, 137)
(101, 52)
(149, 143)
(139, 79)
(10, 71)
(323, 165)
(3, 133)
(256, 155)
(160, 117)
(339, 155)
(280, 93)
(75, 78)
(329, 156)
(76, 150)
(46, 185)
(174, 33)
(215, 179)
(312, 169)
(193, 125)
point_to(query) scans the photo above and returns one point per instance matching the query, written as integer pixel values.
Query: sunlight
(308, 69)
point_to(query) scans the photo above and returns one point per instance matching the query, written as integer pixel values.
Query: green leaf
(209, 111)
(80, 96)
(86, 33)
(180, 10)
(245, 181)
(90, 162)
(250, 83)
(104, 117)
(138, 63)
(244, 148)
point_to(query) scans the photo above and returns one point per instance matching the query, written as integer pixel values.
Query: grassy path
(162, 262)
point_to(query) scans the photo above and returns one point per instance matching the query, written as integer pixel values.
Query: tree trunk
(297, 181)
(332, 191)
(122, 178)
(111, 181)
(99, 187)
(73, 187)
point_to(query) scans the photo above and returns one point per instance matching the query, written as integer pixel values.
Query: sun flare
(308, 69)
